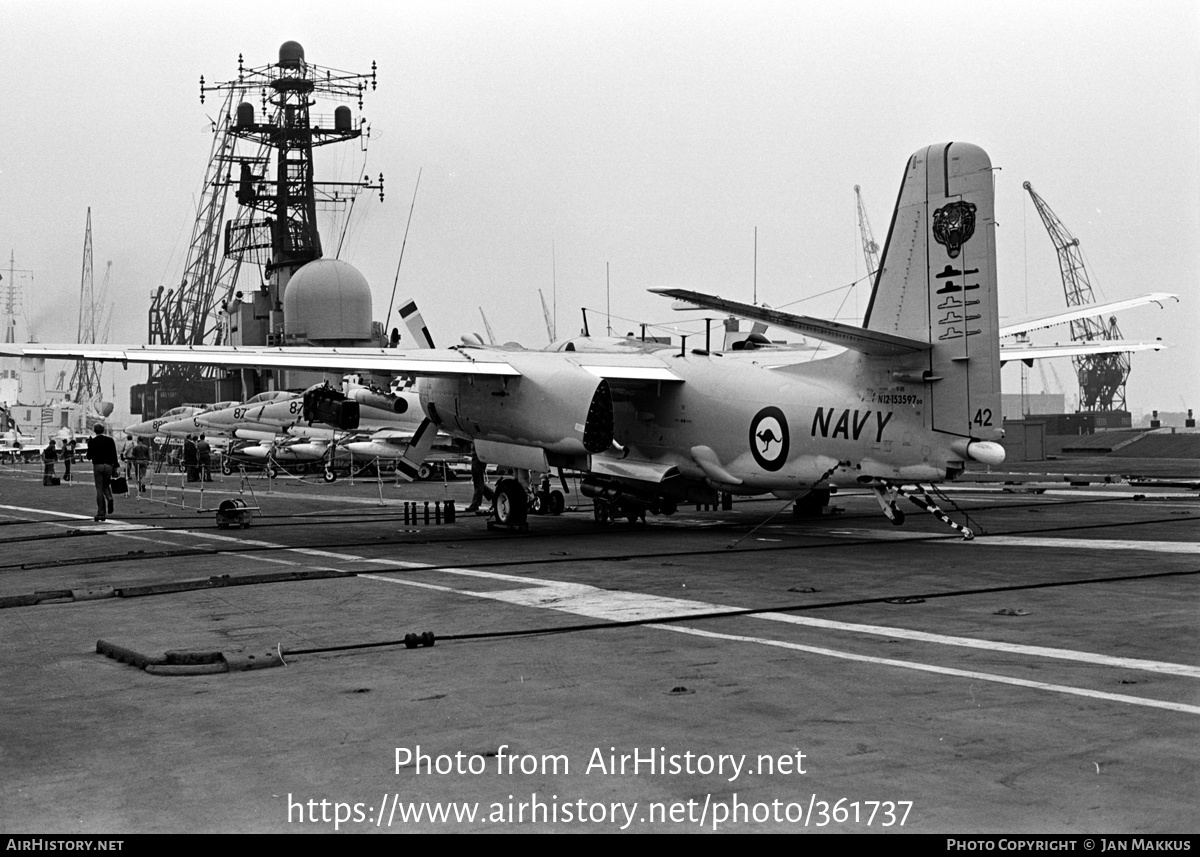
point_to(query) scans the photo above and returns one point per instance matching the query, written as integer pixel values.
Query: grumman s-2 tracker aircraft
(912, 399)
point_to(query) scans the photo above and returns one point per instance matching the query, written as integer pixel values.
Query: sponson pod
(554, 405)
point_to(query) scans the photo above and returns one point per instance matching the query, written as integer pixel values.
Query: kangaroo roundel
(769, 438)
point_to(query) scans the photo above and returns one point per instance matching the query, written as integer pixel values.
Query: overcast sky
(654, 137)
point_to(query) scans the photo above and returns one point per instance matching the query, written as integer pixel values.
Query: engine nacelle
(556, 406)
(327, 405)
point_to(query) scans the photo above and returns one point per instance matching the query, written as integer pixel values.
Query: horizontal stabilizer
(873, 342)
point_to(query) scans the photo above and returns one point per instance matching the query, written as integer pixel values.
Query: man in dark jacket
(49, 456)
(204, 458)
(141, 459)
(189, 459)
(102, 452)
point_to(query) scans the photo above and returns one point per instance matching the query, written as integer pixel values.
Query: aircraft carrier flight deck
(320, 657)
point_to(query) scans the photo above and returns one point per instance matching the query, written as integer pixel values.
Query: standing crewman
(127, 454)
(479, 482)
(204, 458)
(68, 457)
(189, 458)
(141, 459)
(102, 452)
(49, 456)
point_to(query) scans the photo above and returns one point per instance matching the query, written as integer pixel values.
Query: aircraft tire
(511, 505)
(600, 512)
(898, 516)
(329, 475)
(425, 472)
(558, 503)
(226, 469)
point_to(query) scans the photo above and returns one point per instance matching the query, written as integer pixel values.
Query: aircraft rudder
(937, 283)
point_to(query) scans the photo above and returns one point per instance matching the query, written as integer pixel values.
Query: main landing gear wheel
(272, 470)
(226, 468)
(425, 472)
(600, 512)
(329, 475)
(557, 502)
(510, 505)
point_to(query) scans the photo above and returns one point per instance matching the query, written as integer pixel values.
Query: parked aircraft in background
(154, 428)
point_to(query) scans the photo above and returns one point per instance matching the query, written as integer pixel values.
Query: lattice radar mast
(269, 165)
(284, 195)
(85, 377)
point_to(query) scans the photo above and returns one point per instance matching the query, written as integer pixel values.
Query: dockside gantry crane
(870, 248)
(189, 313)
(1102, 377)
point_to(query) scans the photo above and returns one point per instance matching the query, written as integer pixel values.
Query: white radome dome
(327, 299)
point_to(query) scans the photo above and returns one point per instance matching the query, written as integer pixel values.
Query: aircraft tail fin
(937, 284)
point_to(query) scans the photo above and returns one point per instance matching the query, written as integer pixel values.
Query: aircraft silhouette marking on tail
(952, 301)
(769, 426)
(955, 333)
(951, 271)
(955, 287)
(952, 317)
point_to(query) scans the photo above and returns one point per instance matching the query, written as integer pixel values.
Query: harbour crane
(870, 248)
(1102, 377)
